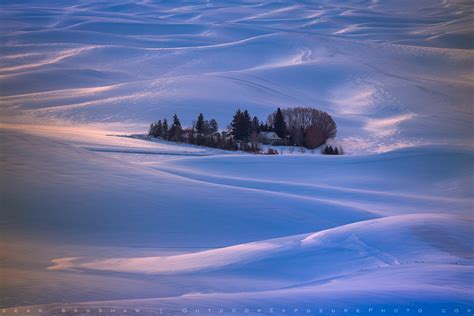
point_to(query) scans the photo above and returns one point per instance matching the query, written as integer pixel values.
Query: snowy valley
(91, 219)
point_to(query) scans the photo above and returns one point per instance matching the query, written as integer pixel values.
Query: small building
(270, 138)
(226, 135)
(217, 136)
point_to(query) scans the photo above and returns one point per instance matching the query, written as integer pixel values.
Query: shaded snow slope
(337, 267)
(124, 201)
(408, 180)
(91, 216)
(171, 226)
(327, 254)
(424, 256)
(393, 74)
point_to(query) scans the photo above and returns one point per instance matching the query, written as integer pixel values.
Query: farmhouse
(268, 138)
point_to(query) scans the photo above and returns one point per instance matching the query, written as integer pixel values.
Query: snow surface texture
(89, 216)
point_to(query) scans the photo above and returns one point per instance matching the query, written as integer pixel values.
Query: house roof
(269, 135)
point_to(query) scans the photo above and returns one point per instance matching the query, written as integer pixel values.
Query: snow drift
(88, 216)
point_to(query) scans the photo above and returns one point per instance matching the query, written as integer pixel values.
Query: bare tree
(314, 137)
(301, 121)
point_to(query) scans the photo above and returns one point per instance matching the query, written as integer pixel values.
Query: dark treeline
(299, 126)
(330, 150)
(202, 132)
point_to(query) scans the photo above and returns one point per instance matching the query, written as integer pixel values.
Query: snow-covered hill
(393, 73)
(115, 221)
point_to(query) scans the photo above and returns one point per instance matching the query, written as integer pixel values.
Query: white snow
(91, 216)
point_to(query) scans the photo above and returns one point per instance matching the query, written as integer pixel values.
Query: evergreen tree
(247, 125)
(326, 150)
(156, 129)
(255, 125)
(207, 128)
(279, 124)
(265, 127)
(159, 129)
(166, 132)
(200, 124)
(213, 126)
(241, 125)
(176, 130)
(176, 121)
(236, 125)
(151, 130)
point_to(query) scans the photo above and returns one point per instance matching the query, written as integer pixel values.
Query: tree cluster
(243, 128)
(329, 150)
(205, 127)
(161, 129)
(202, 133)
(303, 126)
(299, 126)
(245, 131)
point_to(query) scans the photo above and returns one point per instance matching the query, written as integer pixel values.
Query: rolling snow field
(91, 219)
